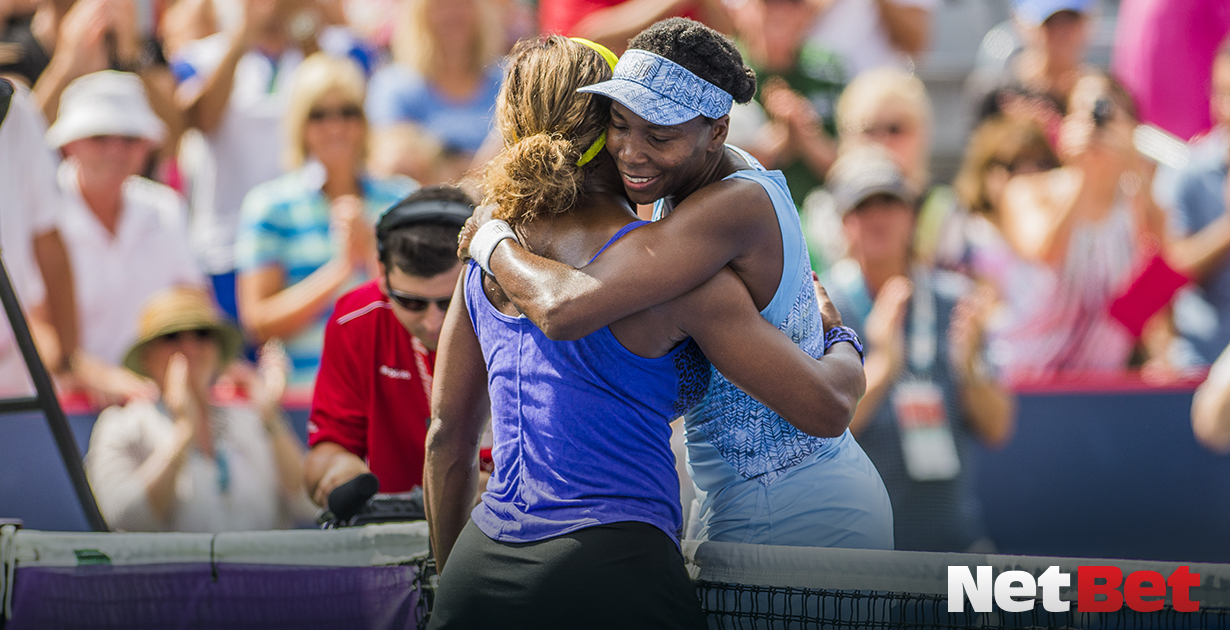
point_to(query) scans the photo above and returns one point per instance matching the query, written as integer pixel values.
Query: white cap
(106, 103)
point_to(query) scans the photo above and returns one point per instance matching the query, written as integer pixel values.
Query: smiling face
(656, 161)
(200, 349)
(456, 18)
(895, 127)
(108, 160)
(335, 130)
(880, 230)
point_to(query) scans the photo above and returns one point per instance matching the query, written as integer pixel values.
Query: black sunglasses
(891, 129)
(417, 303)
(200, 334)
(346, 112)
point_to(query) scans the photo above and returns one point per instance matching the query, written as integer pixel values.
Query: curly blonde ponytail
(546, 126)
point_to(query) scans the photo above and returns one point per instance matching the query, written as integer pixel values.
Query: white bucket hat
(106, 103)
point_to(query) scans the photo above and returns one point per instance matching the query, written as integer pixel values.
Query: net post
(45, 400)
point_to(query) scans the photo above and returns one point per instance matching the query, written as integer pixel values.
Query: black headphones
(408, 211)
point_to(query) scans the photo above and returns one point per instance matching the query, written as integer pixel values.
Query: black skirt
(622, 575)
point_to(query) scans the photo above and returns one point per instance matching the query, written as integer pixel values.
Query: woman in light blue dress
(761, 479)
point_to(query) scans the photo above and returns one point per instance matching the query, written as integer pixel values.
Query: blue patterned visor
(661, 91)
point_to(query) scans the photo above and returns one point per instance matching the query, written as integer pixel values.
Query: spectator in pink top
(1164, 56)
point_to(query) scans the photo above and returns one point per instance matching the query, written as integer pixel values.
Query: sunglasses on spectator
(346, 112)
(127, 140)
(200, 334)
(891, 129)
(417, 303)
(1024, 165)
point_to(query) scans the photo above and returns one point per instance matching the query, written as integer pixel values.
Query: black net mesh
(425, 583)
(740, 606)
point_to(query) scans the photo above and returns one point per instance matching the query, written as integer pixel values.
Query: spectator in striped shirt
(305, 238)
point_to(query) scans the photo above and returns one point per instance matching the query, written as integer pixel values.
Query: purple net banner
(164, 596)
(363, 577)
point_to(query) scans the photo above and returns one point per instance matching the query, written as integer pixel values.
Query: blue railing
(1102, 468)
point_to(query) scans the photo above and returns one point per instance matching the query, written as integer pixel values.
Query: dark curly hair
(425, 248)
(709, 54)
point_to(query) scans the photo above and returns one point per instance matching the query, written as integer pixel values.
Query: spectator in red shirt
(373, 393)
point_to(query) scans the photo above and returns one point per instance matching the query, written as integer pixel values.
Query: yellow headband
(606, 53)
(611, 60)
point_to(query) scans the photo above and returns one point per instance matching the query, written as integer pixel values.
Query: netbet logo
(1097, 590)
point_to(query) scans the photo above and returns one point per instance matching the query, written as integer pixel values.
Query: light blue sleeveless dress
(758, 478)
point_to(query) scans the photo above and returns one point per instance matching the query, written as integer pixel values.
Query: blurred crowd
(245, 149)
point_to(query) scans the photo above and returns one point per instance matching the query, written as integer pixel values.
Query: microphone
(347, 499)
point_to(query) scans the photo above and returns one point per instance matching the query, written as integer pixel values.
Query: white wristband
(485, 240)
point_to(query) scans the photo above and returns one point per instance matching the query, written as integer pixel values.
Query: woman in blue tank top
(579, 523)
(763, 475)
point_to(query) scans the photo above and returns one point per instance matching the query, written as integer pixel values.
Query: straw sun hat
(178, 310)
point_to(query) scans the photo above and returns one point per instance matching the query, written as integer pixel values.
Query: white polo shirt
(114, 274)
(29, 207)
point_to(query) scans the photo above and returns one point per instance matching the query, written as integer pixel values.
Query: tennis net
(755, 586)
(379, 576)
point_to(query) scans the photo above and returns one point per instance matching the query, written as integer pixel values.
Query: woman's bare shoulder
(742, 200)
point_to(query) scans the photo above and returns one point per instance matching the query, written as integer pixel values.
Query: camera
(1102, 110)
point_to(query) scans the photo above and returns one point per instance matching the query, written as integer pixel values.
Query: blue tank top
(731, 425)
(582, 428)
